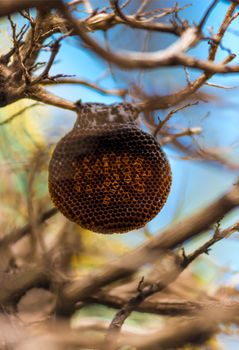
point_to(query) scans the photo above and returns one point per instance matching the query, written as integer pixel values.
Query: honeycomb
(108, 175)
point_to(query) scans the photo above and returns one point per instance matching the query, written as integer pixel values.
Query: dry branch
(175, 266)
(158, 307)
(196, 330)
(46, 24)
(17, 234)
(11, 6)
(169, 238)
(137, 60)
(163, 102)
(172, 56)
(138, 21)
(41, 95)
(14, 284)
(74, 81)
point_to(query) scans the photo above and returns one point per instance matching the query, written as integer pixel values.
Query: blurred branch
(45, 24)
(186, 132)
(41, 95)
(10, 6)
(196, 330)
(14, 284)
(130, 60)
(138, 21)
(164, 102)
(12, 117)
(59, 335)
(219, 86)
(17, 234)
(207, 13)
(173, 55)
(175, 266)
(170, 114)
(144, 290)
(205, 155)
(158, 307)
(167, 101)
(36, 274)
(169, 238)
(56, 80)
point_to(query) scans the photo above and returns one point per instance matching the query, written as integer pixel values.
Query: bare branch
(159, 306)
(17, 234)
(187, 132)
(173, 55)
(16, 42)
(170, 114)
(207, 155)
(219, 86)
(56, 80)
(149, 252)
(44, 96)
(54, 51)
(175, 98)
(218, 236)
(196, 330)
(167, 275)
(10, 6)
(134, 21)
(207, 13)
(175, 267)
(129, 60)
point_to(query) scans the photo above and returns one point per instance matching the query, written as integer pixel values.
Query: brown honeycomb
(106, 174)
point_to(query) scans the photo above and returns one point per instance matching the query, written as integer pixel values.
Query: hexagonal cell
(108, 177)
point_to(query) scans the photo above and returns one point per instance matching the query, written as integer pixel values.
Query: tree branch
(10, 6)
(17, 234)
(56, 80)
(175, 267)
(169, 238)
(129, 60)
(173, 55)
(41, 95)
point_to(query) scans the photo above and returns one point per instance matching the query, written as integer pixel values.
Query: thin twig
(170, 114)
(54, 51)
(207, 13)
(187, 132)
(16, 42)
(219, 86)
(218, 236)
